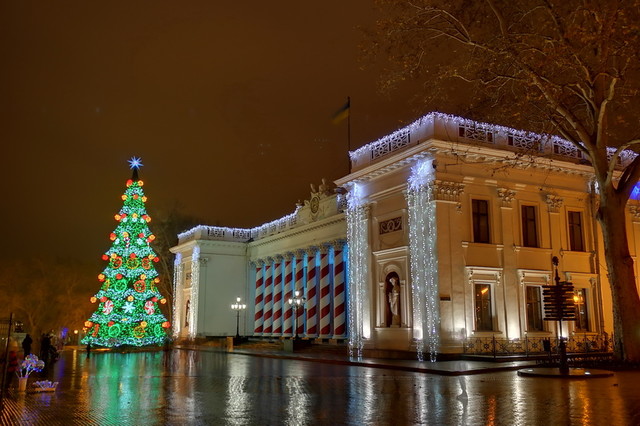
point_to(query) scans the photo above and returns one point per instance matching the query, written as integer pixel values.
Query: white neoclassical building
(438, 241)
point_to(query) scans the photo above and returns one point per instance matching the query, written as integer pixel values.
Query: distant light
(135, 162)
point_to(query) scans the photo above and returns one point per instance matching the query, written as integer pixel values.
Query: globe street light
(296, 303)
(238, 307)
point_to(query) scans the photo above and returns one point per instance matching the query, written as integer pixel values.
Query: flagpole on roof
(349, 134)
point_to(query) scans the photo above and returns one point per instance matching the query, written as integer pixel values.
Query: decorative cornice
(507, 196)
(447, 191)
(554, 203)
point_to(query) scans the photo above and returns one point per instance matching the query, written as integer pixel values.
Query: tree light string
(423, 258)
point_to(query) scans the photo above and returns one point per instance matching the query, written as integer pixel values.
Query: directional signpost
(559, 306)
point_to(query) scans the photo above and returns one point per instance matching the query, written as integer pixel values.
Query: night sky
(228, 104)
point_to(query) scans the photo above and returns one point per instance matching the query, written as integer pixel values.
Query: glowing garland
(243, 234)
(357, 255)
(127, 311)
(423, 258)
(430, 118)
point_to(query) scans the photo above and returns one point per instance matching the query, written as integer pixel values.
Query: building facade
(440, 240)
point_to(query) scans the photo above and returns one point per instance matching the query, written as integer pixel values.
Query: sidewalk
(443, 368)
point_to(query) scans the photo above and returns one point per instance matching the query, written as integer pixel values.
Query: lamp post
(238, 307)
(296, 302)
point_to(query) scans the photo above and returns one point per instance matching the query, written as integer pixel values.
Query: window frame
(574, 244)
(525, 223)
(530, 320)
(480, 322)
(585, 317)
(478, 219)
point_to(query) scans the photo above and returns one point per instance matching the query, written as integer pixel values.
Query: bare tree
(567, 67)
(47, 294)
(166, 226)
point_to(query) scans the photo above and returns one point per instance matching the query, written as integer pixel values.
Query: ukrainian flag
(342, 113)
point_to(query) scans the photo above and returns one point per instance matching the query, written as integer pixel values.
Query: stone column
(277, 297)
(258, 317)
(268, 298)
(287, 329)
(325, 292)
(312, 293)
(339, 287)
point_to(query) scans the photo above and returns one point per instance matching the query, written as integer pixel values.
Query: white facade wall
(504, 169)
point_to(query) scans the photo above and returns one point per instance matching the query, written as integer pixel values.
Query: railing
(535, 345)
(458, 129)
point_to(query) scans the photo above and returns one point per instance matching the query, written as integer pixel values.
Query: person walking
(26, 345)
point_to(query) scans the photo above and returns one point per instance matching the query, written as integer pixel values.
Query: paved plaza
(197, 387)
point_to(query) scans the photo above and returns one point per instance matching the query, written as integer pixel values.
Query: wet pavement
(212, 387)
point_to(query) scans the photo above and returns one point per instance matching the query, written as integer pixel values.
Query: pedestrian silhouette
(26, 345)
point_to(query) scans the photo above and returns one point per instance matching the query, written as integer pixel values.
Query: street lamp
(238, 307)
(296, 302)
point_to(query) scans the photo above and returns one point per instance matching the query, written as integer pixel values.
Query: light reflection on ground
(191, 387)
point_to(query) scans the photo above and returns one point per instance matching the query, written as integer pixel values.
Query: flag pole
(349, 134)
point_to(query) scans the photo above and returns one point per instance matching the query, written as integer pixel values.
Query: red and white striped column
(259, 300)
(339, 295)
(325, 292)
(287, 325)
(268, 298)
(312, 293)
(299, 286)
(277, 297)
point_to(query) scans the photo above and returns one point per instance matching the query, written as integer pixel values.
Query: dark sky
(228, 104)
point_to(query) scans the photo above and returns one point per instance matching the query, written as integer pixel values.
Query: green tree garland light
(128, 312)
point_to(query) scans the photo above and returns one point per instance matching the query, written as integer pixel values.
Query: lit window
(534, 309)
(582, 311)
(484, 315)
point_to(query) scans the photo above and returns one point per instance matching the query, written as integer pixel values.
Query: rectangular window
(480, 214)
(529, 227)
(484, 317)
(576, 240)
(534, 309)
(582, 311)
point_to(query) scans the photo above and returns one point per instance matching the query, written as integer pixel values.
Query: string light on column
(357, 237)
(195, 275)
(177, 294)
(423, 258)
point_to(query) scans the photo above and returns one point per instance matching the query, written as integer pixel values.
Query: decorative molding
(507, 196)
(634, 210)
(390, 225)
(554, 203)
(447, 191)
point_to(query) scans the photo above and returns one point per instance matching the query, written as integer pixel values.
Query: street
(187, 387)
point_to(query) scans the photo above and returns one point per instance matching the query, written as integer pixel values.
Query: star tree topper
(135, 163)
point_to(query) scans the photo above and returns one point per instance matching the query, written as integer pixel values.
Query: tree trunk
(620, 266)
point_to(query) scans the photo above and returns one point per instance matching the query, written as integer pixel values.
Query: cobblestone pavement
(187, 387)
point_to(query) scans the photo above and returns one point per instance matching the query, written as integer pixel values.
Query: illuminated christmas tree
(128, 311)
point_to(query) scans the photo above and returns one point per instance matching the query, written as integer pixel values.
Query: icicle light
(357, 241)
(424, 261)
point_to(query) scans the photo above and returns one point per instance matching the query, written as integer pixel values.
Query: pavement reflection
(196, 387)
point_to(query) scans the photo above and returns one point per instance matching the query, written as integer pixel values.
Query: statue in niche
(186, 313)
(392, 301)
